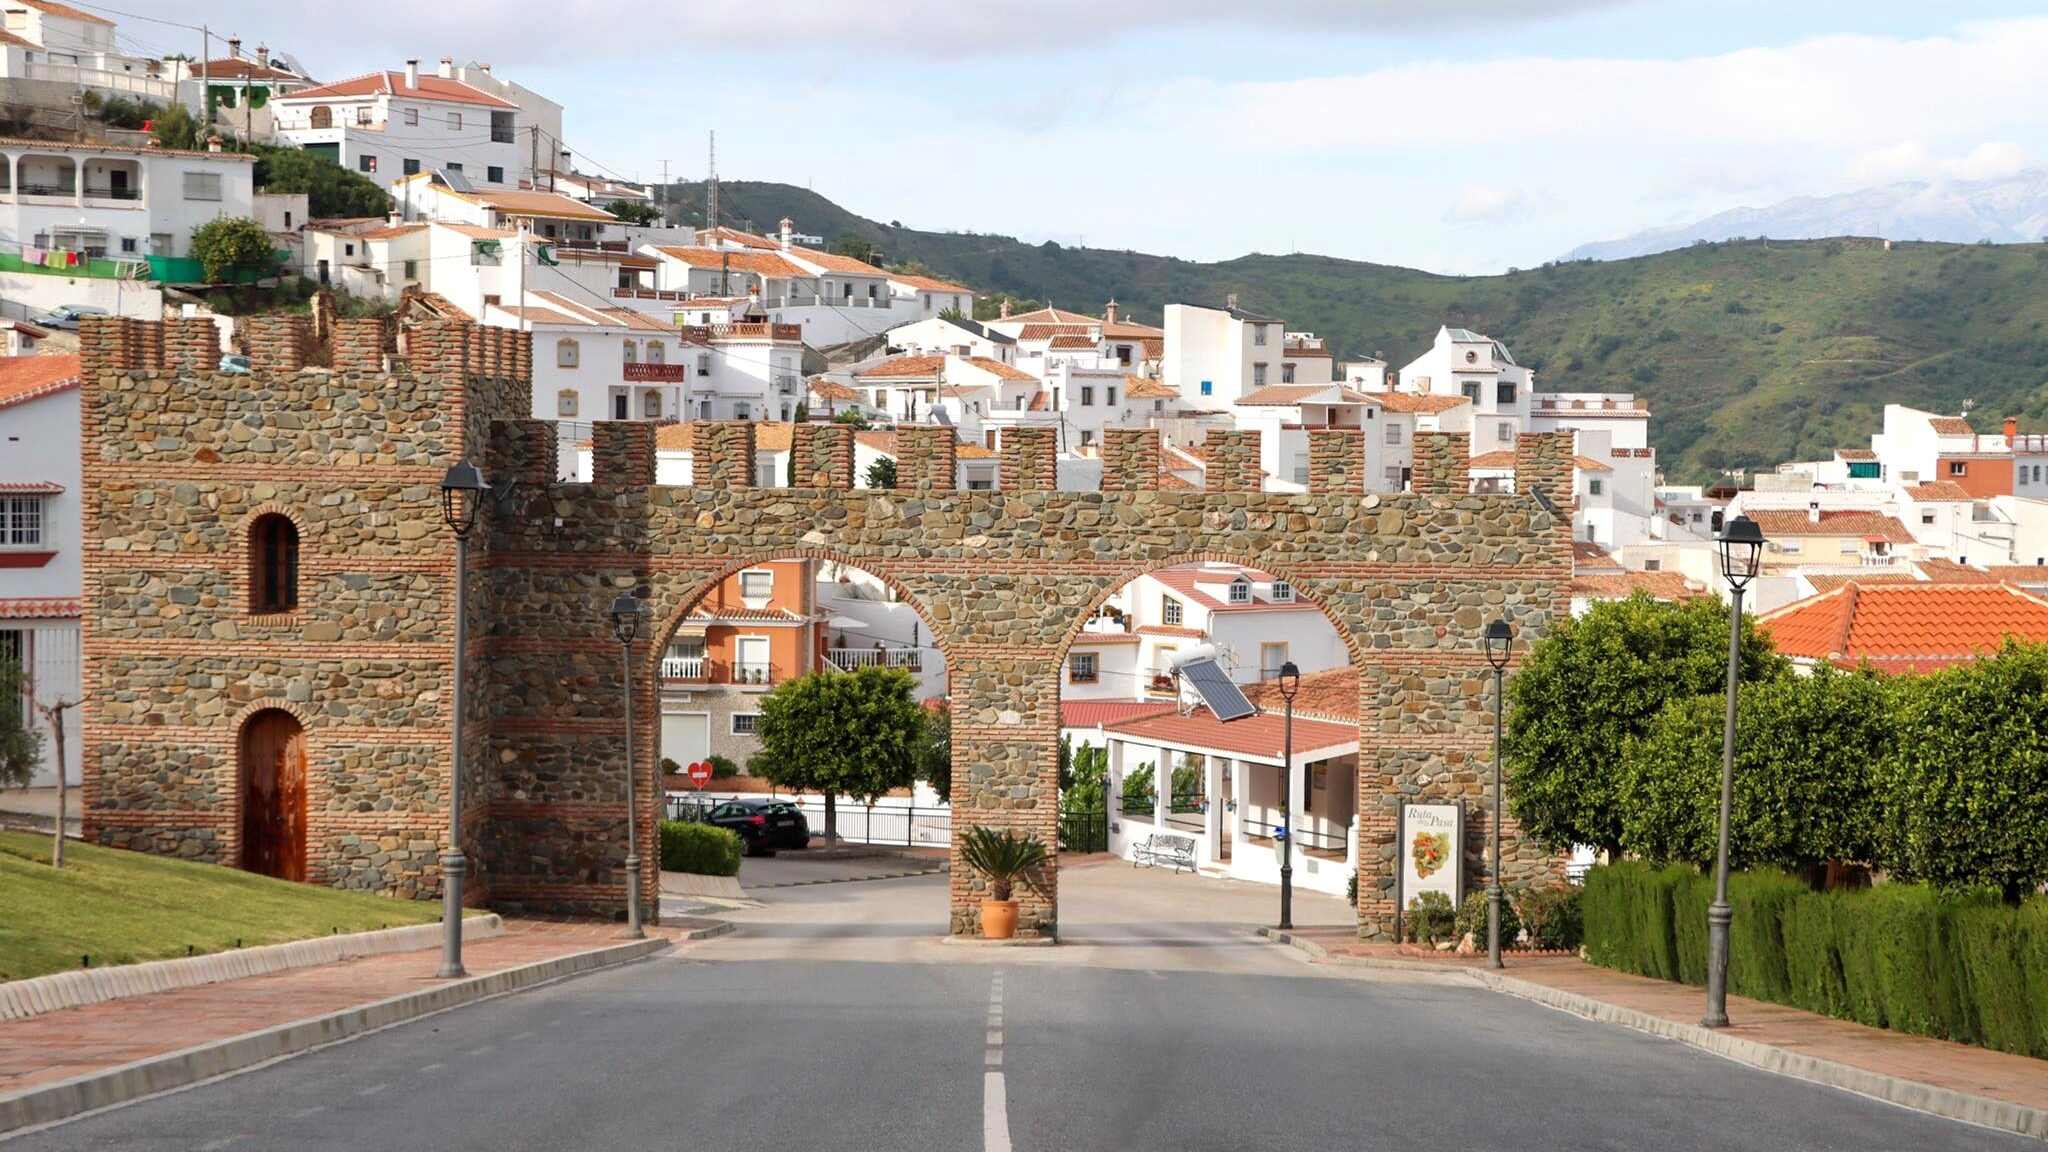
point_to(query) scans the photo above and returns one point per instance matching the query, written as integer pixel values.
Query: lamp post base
(633, 929)
(454, 866)
(1719, 916)
(1493, 896)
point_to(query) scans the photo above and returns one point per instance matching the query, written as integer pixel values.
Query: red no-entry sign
(700, 773)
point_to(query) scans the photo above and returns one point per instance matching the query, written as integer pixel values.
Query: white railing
(850, 659)
(682, 667)
(165, 90)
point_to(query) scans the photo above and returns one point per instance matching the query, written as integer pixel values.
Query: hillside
(1750, 352)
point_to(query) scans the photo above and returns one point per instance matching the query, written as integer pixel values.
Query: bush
(705, 849)
(1430, 918)
(670, 768)
(1987, 944)
(1471, 918)
(1813, 932)
(1627, 916)
(1551, 917)
(722, 768)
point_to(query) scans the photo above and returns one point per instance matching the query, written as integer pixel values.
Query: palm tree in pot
(1004, 858)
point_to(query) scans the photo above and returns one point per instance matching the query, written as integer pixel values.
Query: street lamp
(1500, 640)
(462, 491)
(1290, 683)
(1742, 549)
(627, 612)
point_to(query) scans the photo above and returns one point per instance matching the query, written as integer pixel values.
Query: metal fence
(886, 824)
(1084, 831)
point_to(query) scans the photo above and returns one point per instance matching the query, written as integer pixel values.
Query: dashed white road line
(995, 1105)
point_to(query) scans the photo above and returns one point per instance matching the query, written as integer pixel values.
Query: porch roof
(1256, 737)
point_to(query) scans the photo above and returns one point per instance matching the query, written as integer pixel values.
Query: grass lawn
(122, 907)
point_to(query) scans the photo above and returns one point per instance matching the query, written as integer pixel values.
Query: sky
(1459, 136)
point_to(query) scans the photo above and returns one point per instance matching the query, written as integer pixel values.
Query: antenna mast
(711, 190)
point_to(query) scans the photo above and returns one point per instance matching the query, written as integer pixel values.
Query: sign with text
(700, 773)
(1432, 854)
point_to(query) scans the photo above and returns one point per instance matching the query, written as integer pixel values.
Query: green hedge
(1902, 956)
(702, 848)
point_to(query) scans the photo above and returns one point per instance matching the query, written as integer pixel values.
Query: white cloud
(1491, 204)
(1913, 160)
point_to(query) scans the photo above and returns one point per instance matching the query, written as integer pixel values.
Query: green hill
(1749, 352)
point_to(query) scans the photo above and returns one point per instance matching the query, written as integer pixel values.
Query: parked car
(234, 365)
(66, 316)
(764, 825)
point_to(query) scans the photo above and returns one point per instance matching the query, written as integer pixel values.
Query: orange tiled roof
(968, 450)
(774, 436)
(1281, 395)
(1836, 522)
(1949, 572)
(927, 284)
(1855, 454)
(1951, 426)
(1186, 581)
(834, 262)
(675, 437)
(2019, 573)
(1258, 735)
(832, 390)
(550, 205)
(24, 378)
(233, 69)
(1588, 556)
(1331, 694)
(1410, 402)
(1146, 388)
(906, 368)
(1178, 630)
(881, 440)
(1905, 627)
(67, 12)
(1499, 459)
(1939, 490)
(1048, 316)
(38, 608)
(743, 239)
(1096, 713)
(1071, 342)
(1828, 582)
(999, 369)
(430, 87)
(1052, 331)
(769, 264)
(1169, 482)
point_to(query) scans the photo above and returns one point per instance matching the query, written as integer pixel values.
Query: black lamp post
(627, 612)
(1500, 640)
(1290, 683)
(1742, 550)
(462, 492)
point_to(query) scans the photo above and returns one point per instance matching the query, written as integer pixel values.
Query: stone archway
(271, 779)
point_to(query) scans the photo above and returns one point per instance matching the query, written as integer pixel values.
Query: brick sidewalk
(1939, 1063)
(56, 1046)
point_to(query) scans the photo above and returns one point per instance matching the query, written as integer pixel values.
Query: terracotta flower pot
(998, 919)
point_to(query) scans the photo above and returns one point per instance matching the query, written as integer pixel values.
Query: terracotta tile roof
(478, 231)
(67, 12)
(1048, 316)
(234, 69)
(1410, 402)
(1131, 330)
(744, 239)
(967, 450)
(1588, 557)
(1949, 572)
(1196, 455)
(1501, 459)
(1146, 388)
(833, 262)
(675, 437)
(1099, 638)
(1823, 582)
(746, 615)
(30, 487)
(1939, 490)
(1777, 522)
(24, 378)
(1904, 627)
(54, 146)
(999, 369)
(927, 284)
(880, 439)
(1621, 585)
(388, 233)
(1259, 736)
(769, 264)
(7, 37)
(1331, 694)
(1281, 395)
(2019, 573)
(1951, 426)
(549, 205)
(832, 390)
(1168, 482)
(1171, 630)
(1040, 402)
(1071, 342)
(958, 390)
(1188, 581)
(1053, 331)
(905, 368)
(1096, 713)
(1854, 454)
(430, 87)
(38, 608)
(774, 436)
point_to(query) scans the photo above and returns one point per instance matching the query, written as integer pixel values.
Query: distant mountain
(1750, 354)
(2008, 210)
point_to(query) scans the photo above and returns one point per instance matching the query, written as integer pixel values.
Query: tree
(882, 473)
(21, 746)
(330, 189)
(1806, 748)
(991, 307)
(635, 211)
(853, 416)
(226, 245)
(850, 243)
(935, 752)
(176, 127)
(1591, 685)
(1967, 784)
(840, 733)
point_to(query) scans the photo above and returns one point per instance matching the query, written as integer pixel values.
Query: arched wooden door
(273, 773)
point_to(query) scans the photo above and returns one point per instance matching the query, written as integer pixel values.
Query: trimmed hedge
(705, 849)
(1901, 956)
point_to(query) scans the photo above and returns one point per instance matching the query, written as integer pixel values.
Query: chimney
(234, 47)
(263, 55)
(1813, 511)
(786, 226)
(394, 217)
(1003, 313)
(1230, 301)
(213, 143)
(412, 73)
(447, 71)
(1109, 313)
(2012, 431)
(484, 67)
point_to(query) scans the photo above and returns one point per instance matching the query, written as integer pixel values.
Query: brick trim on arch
(242, 580)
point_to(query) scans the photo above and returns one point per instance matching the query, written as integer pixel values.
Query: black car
(764, 825)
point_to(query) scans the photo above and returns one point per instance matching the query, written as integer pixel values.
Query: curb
(709, 931)
(1948, 1103)
(20, 999)
(846, 879)
(103, 1089)
(1012, 942)
(1323, 954)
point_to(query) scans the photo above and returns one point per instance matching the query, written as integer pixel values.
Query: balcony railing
(658, 373)
(750, 673)
(854, 659)
(114, 193)
(682, 668)
(787, 383)
(649, 294)
(29, 188)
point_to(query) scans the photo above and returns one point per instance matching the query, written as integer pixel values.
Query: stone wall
(1004, 581)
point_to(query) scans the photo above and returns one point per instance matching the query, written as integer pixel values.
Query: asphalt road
(834, 1020)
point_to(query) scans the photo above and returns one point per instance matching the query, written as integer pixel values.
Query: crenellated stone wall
(176, 664)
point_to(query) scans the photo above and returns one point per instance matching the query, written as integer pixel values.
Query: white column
(1212, 823)
(1162, 775)
(1113, 790)
(1298, 816)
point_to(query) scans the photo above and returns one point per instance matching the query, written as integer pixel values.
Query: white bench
(1166, 848)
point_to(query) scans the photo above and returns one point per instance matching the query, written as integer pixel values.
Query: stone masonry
(180, 460)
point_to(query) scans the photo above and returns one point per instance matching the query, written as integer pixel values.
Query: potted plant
(1002, 858)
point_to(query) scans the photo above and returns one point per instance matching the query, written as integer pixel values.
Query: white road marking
(995, 1037)
(372, 1090)
(480, 1050)
(995, 1114)
(433, 1067)
(995, 1058)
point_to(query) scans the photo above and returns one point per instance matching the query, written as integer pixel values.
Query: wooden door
(274, 796)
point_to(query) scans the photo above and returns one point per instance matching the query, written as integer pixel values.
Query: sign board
(1432, 852)
(700, 773)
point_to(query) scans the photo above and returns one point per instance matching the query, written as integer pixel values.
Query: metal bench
(1166, 848)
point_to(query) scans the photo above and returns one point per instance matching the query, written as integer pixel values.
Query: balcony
(649, 294)
(854, 659)
(657, 373)
(761, 674)
(743, 330)
(111, 193)
(682, 668)
(787, 383)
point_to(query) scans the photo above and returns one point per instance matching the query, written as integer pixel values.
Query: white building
(390, 125)
(915, 298)
(1215, 356)
(41, 518)
(62, 47)
(958, 336)
(834, 299)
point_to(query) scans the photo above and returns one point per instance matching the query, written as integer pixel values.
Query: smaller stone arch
(272, 759)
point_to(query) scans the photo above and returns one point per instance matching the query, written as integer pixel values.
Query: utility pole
(661, 193)
(534, 164)
(205, 96)
(711, 190)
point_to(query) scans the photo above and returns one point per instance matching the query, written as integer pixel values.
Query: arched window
(566, 353)
(656, 354)
(273, 564)
(650, 404)
(630, 351)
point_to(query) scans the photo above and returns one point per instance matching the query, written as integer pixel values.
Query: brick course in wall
(179, 460)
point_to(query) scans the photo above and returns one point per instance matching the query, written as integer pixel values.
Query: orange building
(759, 627)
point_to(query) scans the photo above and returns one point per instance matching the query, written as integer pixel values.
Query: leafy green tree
(882, 473)
(330, 189)
(635, 211)
(853, 416)
(1806, 749)
(176, 127)
(991, 307)
(1967, 784)
(842, 734)
(21, 744)
(850, 243)
(1593, 683)
(935, 752)
(226, 245)
(1085, 778)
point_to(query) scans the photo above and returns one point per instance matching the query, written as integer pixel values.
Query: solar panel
(456, 180)
(1225, 701)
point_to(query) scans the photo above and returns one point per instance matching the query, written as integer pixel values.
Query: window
(1927, 518)
(453, 166)
(1393, 433)
(1081, 668)
(1087, 396)
(412, 117)
(621, 405)
(366, 163)
(1170, 611)
(363, 115)
(1283, 592)
(565, 402)
(21, 522)
(128, 242)
(741, 411)
(273, 564)
(455, 121)
(757, 584)
(495, 173)
(567, 354)
(1208, 388)
(412, 167)
(650, 405)
(1504, 393)
(743, 723)
(1087, 437)
(1109, 395)
(1653, 565)
(1505, 433)
(1287, 373)
(1259, 335)
(348, 249)
(1271, 657)
(1595, 487)
(1958, 468)
(1258, 375)
(1471, 357)
(704, 368)
(202, 185)
(629, 351)
(412, 269)
(1240, 591)
(1470, 388)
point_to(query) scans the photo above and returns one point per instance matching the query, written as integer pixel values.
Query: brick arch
(238, 728)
